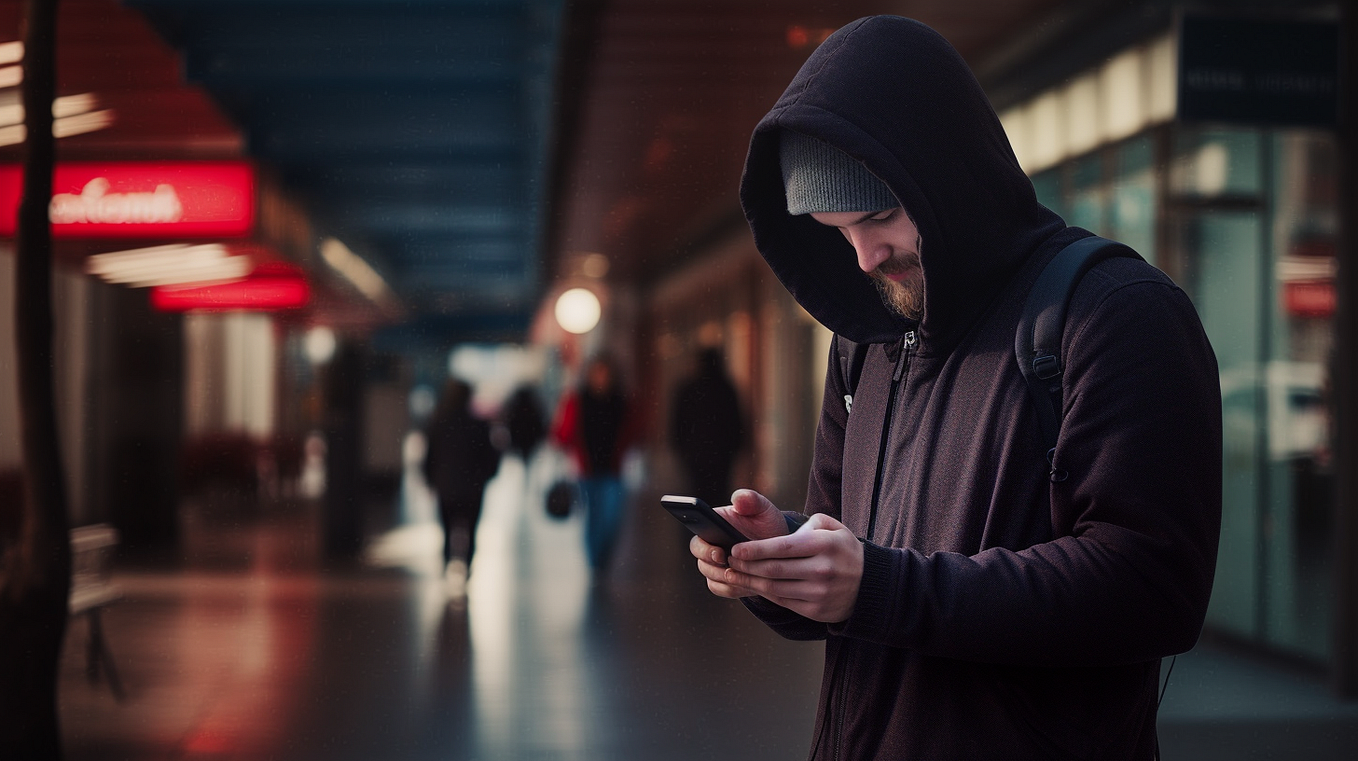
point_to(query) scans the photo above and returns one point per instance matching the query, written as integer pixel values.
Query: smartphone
(702, 520)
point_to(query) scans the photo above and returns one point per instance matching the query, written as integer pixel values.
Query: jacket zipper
(902, 366)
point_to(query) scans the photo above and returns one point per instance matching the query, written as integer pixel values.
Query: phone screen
(702, 520)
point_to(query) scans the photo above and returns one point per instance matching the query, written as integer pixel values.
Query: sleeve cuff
(874, 609)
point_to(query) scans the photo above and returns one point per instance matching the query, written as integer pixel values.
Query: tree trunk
(35, 559)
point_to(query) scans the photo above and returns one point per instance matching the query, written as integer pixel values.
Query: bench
(92, 591)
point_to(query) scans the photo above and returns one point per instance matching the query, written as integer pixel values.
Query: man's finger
(781, 591)
(719, 584)
(779, 569)
(823, 521)
(710, 553)
(800, 544)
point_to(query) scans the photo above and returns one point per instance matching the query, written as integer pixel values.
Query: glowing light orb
(577, 310)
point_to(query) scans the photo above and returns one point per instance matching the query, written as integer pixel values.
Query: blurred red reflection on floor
(250, 649)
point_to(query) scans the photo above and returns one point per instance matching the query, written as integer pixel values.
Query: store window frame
(1083, 190)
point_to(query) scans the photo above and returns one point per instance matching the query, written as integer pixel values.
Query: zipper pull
(907, 343)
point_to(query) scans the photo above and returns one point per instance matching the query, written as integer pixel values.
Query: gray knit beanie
(819, 177)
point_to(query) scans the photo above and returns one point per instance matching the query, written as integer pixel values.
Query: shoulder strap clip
(1037, 342)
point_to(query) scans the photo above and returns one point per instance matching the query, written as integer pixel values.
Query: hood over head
(893, 94)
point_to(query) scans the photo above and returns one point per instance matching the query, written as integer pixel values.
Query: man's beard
(904, 299)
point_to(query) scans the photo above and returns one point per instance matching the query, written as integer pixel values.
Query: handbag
(564, 492)
(561, 498)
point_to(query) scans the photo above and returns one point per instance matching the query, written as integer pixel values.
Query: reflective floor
(250, 650)
(251, 653)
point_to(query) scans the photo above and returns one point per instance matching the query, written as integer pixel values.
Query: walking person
(524, 428)
(525, 422)
(592, 424)
(458, 462)
(707, 428)
(979, 596)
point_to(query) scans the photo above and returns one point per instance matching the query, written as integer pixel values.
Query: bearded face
(887, 245)
(905, 296)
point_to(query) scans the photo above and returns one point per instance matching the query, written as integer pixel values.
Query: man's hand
(814, 572)
(753, 515)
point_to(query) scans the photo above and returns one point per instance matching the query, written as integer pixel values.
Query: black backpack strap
(1037, 342)
(851, 356)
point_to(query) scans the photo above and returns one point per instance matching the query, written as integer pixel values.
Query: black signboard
(1256, 71)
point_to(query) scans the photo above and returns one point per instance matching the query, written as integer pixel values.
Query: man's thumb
(749, 503)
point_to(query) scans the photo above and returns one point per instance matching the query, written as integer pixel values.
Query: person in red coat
(593, 424)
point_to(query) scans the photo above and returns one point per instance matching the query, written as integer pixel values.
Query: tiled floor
(250, 650)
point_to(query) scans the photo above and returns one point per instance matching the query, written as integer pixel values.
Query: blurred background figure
(459, 461)
(707, 428)
(525, 421)
(522, 429)
(593, 425)
(525, 425)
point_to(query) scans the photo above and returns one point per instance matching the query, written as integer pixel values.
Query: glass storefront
(1245, 221)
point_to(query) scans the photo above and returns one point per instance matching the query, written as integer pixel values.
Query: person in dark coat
(976, 599)
(460, 459)
(707, 428)
(525, 422)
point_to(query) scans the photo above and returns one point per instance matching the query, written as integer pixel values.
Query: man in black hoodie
(973, 605)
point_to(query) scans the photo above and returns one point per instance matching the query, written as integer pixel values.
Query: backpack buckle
(1046, 366)
(1056, 476)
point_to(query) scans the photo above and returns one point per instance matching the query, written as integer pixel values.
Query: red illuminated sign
(1309, 299)
(190, 199)
(271, 286)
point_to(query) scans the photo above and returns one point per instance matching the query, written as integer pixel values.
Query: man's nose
(871, 253)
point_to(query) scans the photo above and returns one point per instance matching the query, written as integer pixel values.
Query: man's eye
(884, 216)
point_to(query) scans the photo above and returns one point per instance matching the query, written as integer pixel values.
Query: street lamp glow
(577, 310)
(320, 344)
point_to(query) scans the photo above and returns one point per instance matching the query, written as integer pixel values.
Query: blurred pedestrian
(521, 431)
(593, 425)
(460, 459)
(707, 428)
(525, 421)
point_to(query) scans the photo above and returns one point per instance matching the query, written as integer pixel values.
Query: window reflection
(1245, 220)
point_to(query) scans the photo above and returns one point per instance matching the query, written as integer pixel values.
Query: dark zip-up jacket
(1000, 614)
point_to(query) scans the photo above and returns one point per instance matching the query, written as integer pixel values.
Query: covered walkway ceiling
(668, 91)
(470, 150)
(415, 132)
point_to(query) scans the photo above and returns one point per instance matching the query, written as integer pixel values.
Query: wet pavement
(249, 649)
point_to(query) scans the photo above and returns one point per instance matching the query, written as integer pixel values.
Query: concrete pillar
(1345, 669)
(136, 412)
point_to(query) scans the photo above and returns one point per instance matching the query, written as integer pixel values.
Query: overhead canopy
(416, 133)
(466, 148)
(671, 90)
